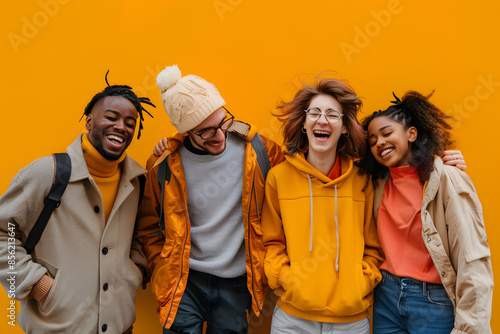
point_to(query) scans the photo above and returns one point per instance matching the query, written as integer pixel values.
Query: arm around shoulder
(273, 151)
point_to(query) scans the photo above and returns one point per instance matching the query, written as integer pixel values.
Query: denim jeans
(405, 305)
(221, 302)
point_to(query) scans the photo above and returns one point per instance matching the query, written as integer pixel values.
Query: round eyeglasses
(211, 132)
(331, 115)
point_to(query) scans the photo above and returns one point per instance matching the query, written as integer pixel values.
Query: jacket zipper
(249, 242)
(183, 249)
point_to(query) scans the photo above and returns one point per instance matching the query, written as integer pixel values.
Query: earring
(303, 130)
(346, 134)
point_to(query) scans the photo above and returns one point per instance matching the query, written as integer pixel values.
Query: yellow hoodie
(322, 248)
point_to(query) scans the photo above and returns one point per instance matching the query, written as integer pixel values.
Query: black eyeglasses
(211, 132)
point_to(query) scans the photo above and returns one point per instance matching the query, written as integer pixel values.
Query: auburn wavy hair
(292, 116)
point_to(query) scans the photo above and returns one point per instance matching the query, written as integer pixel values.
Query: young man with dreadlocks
(84, 273)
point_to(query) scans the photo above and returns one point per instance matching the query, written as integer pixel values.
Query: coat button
(104, 327)
(443, 274)
(96, 209)
(105, 250)
(429, 239)
(105, 287)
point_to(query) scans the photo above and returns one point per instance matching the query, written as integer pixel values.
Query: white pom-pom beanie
(187, 100)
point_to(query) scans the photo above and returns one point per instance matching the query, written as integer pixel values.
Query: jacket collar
(305, 168)
(79, 171)
(431, 187)
(242, 129)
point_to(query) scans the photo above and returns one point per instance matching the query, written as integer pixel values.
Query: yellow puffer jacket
(168, 255)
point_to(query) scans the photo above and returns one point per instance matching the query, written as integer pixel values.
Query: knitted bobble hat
(187, 100)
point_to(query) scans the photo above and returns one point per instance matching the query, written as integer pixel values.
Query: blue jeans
(405, 305)
(221, 302)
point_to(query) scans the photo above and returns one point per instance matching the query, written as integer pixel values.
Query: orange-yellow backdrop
(55, 54)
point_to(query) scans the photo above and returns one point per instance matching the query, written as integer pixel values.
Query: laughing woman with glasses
(322, 249)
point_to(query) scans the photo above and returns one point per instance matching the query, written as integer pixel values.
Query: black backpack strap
(164, 174)
(142, 185)
(262, 157)
(62, 165)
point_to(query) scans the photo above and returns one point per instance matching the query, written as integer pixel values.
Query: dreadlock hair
(433, 135)
(293, 116)
(125, 92)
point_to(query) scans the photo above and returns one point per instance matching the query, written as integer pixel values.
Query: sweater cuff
(42, 287)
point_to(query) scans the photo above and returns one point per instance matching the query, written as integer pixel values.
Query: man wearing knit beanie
(83, 274)
(201, 232)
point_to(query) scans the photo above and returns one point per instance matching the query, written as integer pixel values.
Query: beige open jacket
(454, 234)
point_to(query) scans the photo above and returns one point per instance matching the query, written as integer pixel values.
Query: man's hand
(41, 289)
(162, 146)
(42, 301)
(454, 158)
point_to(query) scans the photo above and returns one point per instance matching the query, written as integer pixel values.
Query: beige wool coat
(93, 263)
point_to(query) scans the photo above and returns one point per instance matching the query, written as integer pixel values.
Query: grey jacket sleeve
(19, 209)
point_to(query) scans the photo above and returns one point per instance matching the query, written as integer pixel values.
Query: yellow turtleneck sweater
(105, 173)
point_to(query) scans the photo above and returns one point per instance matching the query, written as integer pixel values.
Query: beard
(96, 141)
(107, 155)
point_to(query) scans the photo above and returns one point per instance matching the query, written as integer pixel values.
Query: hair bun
(168, 77)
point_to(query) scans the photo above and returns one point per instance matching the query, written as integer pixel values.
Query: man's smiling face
(111, 125)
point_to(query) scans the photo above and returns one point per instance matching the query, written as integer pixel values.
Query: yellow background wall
(54, 54)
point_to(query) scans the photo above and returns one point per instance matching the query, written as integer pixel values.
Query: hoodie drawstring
(311, 200)
(336, 224)
(337, 233)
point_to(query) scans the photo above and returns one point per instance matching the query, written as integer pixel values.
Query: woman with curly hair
(437, 276)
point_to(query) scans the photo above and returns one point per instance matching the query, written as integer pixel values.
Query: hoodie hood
(305, 168)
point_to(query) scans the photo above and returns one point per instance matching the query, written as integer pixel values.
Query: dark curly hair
(125, 92)
(433, 135)
(293, 116)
